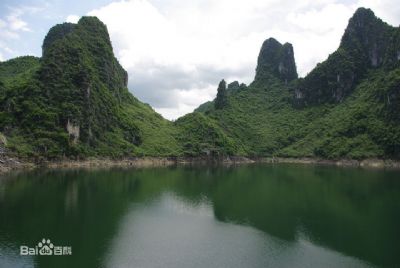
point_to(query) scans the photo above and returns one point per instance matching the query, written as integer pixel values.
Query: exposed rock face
(367, 43)
(277, 60)
(3, 140)
(73, 131)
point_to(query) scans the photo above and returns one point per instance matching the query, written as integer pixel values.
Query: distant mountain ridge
(74, 102)
(347, 107)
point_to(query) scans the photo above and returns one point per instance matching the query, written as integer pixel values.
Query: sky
(176, 52)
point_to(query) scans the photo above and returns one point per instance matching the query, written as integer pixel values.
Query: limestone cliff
(368, 43)
(277, 60)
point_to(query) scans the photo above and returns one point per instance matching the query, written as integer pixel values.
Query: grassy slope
(158, 134)
(18, 70)
(261, 119)
(201, 135)
(364, 125)
(263, 122)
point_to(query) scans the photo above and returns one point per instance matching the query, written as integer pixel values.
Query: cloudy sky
(177, 51)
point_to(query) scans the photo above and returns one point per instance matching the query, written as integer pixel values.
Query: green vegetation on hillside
(74, 102)
(368, 43)
(201, 135)
(347, 107)
(18, 70)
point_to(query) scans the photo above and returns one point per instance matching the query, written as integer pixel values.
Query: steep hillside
(347, 107)
(277, 60)
(74, 101)
(367, 44)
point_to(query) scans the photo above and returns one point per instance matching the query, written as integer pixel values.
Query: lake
(246, 216)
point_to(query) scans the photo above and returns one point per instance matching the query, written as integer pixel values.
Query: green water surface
(245, 216)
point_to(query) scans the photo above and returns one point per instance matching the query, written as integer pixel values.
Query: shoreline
(8, 164)
(365, 163)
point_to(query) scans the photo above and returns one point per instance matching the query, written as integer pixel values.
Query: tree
(222, 97)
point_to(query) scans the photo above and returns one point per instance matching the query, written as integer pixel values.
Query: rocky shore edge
(365, 163)
(8, 163)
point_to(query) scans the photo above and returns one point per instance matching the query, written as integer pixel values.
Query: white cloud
(12, 26)
(187, 101)
(14, 21)
(17, 24)
(176, 51)
(72, 18)
(9, 28)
